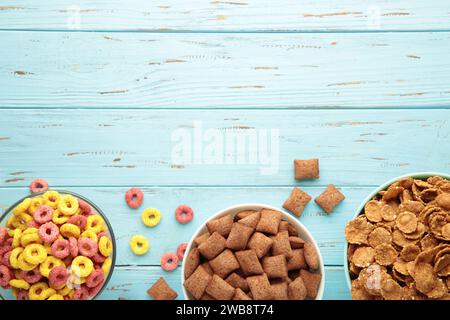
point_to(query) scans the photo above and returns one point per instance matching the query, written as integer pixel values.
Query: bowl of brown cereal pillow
(252, 251)
(398, 242)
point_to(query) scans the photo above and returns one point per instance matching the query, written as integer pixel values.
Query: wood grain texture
(125, 148)
(134, 70)
(235, 15)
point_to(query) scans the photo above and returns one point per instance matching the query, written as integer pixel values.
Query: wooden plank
(135, 70)
(239, 15)
(140, 147)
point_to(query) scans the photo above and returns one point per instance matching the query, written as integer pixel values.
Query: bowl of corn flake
(398, 243)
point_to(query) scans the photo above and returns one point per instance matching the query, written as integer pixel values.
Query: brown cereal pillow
(260, 243)
(219, 289)
(192, 262)
(297, 201)
(240, 295)
(214, 245)
(242, 214)
(260, 287)
(207, 267)
(238, 237)
(206, 297)
(201, 238)
(311, 282)
(296, 242)
(221, 225)
(281, 244)
(296, 261)
(269, 221)
(329, 198)
(160, 290)
(306, 169)
(280, 291)
(275, 266)
(248, 260)
(297, 289)
(224, 263)
(197, 282)
(251, 220)
(237, 281)
(286, 226)
(311, 255)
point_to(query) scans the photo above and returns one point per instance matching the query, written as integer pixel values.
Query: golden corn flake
(385, 254)
(389, 212)
(363, 257)
(416, 235)
(400, 266)
(399, 239)
(378, 236)
(409, 252)
(411, 206)
(392, 192)
(406, 222)
(445, 231)
(424, 276)
(428, 242)
(438, 291)
(357, 231)
(441, 267)
(359, 292)
(391, 290)
(373, 211)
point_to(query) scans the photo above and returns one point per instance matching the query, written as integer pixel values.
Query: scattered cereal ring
(22, 295)
(87, 247)
(19, 284)
(68, 205)
(13, 258)
(73, 247)
(95, 223)
(38, 291)
(60, 248)
(105, 246)
(139, 245)
(181, 250)
(48, 232)
(5, 275)
(35, 204)
(78, 220)
(38, 185)
(22, 207)
(81, 293)
(51, 198)
(184, 214)
(95, 278)
(82, 266)
(58, 277)
(85, 208)
(70, 230)
(56, 297)
(23, 264)
(43, 214)
(134, 198)
(59, 218)
(151, 217)
(106, 266)
(169, 261)
(34, 253)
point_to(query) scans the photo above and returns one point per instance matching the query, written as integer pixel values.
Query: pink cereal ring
(95, 278)
(134, 198)
(103, 234)
(98, 258)
(32, 276)
(38, 185)
(73, 247)
(81, 293)
(3, 235)
(5, 276)
(7, 246)
(169, 261)
(95, 290)
(5, 259)
(85, 208)
(79, 221)
(22, 295)
(58, 277)
(43, 214)
(33, 224)
(180, 250)
(184, 214)
(60, 249)
(87, 247)
(48, 232)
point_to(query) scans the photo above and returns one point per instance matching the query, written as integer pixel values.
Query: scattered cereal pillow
(269, 222)
(224, 263)
(214, 245)
(219, 289)
(260, 287)
(221, 225)
(297, 201)
(329, 198)
(197, 282)
(161, 291)
(306, 169)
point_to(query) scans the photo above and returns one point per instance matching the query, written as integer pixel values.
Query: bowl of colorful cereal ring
(252, 251)
(55, 245)
(398, 242)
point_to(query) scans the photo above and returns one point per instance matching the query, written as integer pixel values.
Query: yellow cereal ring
(21, 221)
(70, 230)
(95, 223)
(16, 238)
(30, 230)
(38, 291)
(50, 263)
(35, 204)
(82, 266)
(14, 257)
(75, 280)
(19, 284)
(22, 207)
(49, 249)
(51, 198)
(90, 235)
(105, 246)
(48, 293)
(59, 218)
(35, 253)
(64, 291)
(139, 245)
(151, 217)
(23, 264)
(106, 266)
(56, 297)
(68, 205)
(27, 239)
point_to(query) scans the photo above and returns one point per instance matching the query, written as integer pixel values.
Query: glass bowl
(6, 294)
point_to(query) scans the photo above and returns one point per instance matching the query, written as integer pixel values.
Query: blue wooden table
(95, 94)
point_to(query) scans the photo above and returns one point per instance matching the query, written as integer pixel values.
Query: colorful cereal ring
(81, 293)
(95, 278)
(68, 205)
(181, 250)
(38, 291)
(50, 263)
(90, 235)
(16, 238)
(59, 217)
(23, 264)
(14, 257)
(70, 230)
(139, 245)
(48, 232)
(35, 204)
(19, 284)
(60, 249)
(38, 185)
(98, 258)
(22, 295)
(5, 275)
(106, 266)
(105, 246)
(78, 220)
(33, 276)
(87, 247)
(35, 253)
(151, 217)
(82, 266)
(3, 235)
(64, 291)
(58, 277)
(27, 239)
(95, 290)
(95, 223)
(6, 246)
(5, 259)
(169, 261)
(85, 208)
(73, 247)
(56, 297)
(22, 207)
(134, 198)
(43, 214)
(51, 198)
(184, 214)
